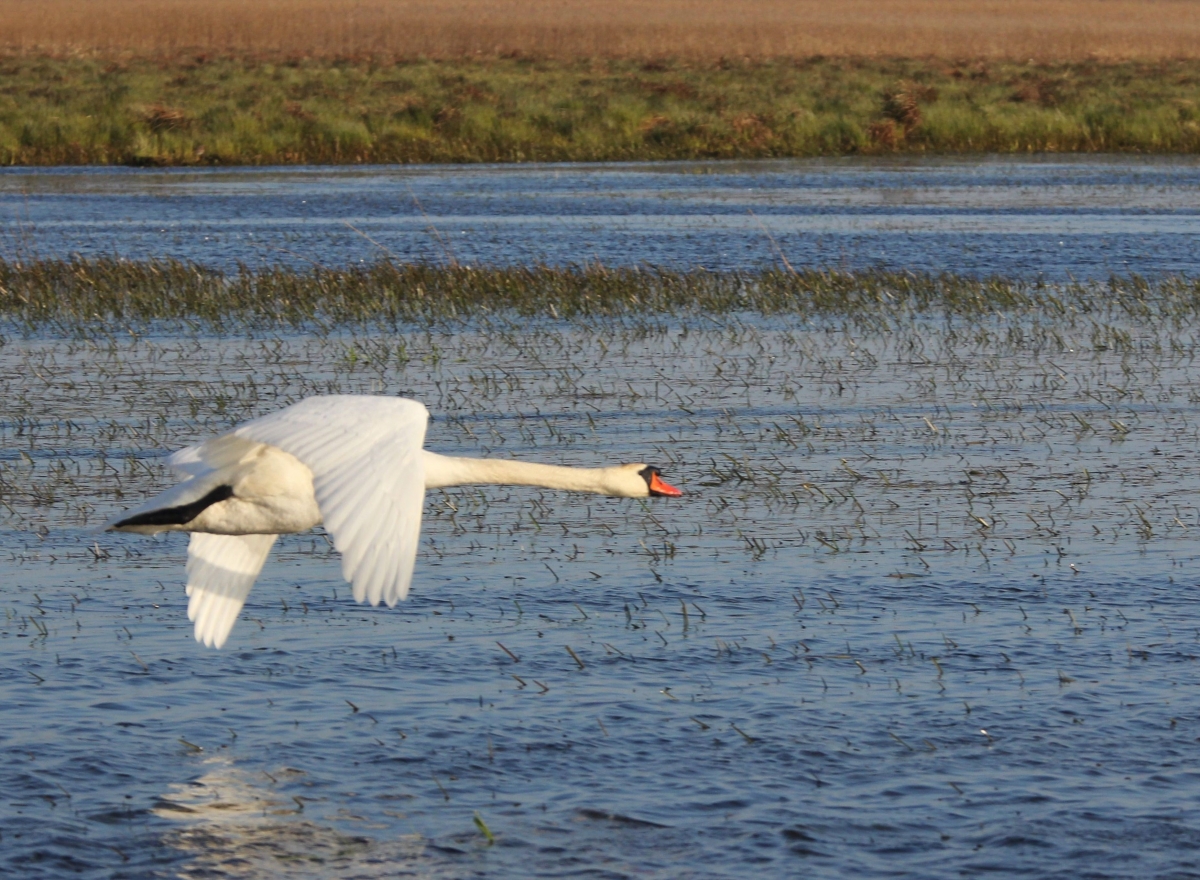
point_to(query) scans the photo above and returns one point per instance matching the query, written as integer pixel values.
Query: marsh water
(930, 606)
(1056, 217)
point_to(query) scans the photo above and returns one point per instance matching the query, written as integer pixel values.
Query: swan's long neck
(444, 470)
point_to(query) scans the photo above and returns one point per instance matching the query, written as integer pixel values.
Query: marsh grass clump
(160, 118)
(97, 295)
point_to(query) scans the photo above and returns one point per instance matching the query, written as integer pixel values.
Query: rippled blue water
(940, 594)
(1058, 218)
(929, 607)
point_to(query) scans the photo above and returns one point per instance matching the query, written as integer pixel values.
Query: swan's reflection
(233, 825)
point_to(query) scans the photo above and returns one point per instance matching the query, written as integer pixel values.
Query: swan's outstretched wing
(221, 570)
(369, 479)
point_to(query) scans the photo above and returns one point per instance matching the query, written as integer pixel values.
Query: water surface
(1051, 217)
(929, 608)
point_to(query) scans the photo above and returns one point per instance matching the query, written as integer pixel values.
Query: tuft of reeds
(78, 295)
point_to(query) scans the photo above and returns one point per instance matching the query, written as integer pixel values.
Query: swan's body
(354, 463)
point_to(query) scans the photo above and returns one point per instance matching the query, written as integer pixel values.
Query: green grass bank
(103, 296)
(256, 111)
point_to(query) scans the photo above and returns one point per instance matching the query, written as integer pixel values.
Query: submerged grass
(245, 109)
(106, 295)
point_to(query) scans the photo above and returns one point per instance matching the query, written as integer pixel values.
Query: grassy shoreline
(243, 110)
(112, 296)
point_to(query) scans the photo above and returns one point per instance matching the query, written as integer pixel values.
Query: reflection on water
(1059, 218)
(232, 823)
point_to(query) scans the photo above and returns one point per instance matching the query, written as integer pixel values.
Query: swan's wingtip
(209, 639)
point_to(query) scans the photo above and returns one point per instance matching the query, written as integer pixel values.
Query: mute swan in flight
(353, 462)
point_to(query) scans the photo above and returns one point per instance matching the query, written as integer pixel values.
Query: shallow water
(1052, 217)
(928, 608)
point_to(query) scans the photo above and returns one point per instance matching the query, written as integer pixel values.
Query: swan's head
(642, 481)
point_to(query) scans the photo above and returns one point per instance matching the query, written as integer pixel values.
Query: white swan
(353, 462)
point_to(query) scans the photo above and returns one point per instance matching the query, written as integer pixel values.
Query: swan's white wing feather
(369, 479)
(189, 462)
(211, 455)
(221, 570)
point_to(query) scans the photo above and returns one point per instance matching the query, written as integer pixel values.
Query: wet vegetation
(241, 109)
(100, 295)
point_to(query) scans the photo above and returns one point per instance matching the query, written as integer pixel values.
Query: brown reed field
(1043, 30)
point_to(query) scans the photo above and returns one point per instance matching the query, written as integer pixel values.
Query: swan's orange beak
(659, 487)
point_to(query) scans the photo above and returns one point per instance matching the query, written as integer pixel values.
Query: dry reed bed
(101, 295)
(697, 29)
